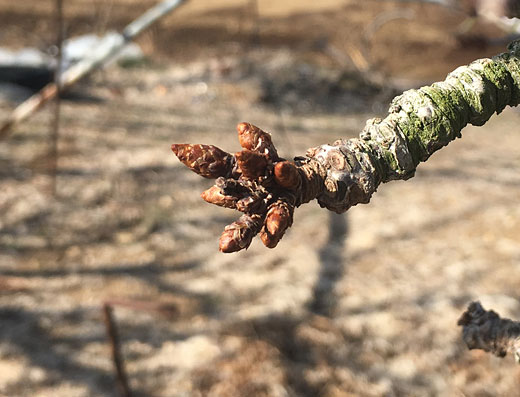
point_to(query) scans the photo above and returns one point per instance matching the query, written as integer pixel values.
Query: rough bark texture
(419, 123)
(266, 188)
(483, 329)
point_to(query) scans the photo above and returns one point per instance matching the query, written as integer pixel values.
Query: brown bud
(278, 220)
(215, 196)
(228, 242)
(279, 217)
(251, 164)
(269, 240)
(206, 160)
(240, 233)
(286, 175)
(253, 138)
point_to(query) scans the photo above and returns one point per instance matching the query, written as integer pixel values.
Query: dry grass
(361, 304)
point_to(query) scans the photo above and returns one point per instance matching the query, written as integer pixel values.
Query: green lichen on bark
(419, 123)
(349, 171)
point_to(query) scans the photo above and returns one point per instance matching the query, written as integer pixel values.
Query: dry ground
(362, 304)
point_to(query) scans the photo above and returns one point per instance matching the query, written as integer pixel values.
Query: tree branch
(482, 329)
(419, 123)
(349, 171)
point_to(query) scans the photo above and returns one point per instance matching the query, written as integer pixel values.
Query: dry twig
(484, 329)
(113, 337)
(165, 309)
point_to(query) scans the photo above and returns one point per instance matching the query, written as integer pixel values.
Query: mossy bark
(267, 188)
(419, 123)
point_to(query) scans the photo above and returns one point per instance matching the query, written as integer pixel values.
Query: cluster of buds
(255, 181)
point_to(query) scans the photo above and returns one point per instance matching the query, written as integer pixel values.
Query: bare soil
(360, 304)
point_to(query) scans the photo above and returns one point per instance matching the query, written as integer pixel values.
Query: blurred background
(96, 212)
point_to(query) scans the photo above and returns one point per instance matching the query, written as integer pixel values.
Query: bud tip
(242, 127)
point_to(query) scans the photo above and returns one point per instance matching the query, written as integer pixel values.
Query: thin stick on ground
(485, 330)
(113, 338)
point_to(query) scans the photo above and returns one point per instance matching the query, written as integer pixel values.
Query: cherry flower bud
(253, 138)
(215, 196)
(251, 164)
(278, 220)
(206, 160)
(240, 233)
(286, 175)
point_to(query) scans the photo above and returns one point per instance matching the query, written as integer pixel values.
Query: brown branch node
(486, 330)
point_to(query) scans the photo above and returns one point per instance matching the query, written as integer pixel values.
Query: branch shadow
(332, 267)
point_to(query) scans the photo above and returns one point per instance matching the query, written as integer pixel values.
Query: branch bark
(483, 329)
(419, 123)
(349, 171)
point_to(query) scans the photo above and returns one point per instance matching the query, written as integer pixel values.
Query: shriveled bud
(251, 164)
(215, 196)
(206, 160)
(251, 204)
(278, 220)
(232, 187)
(240, 233)
(253, 138)
(286, 175)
